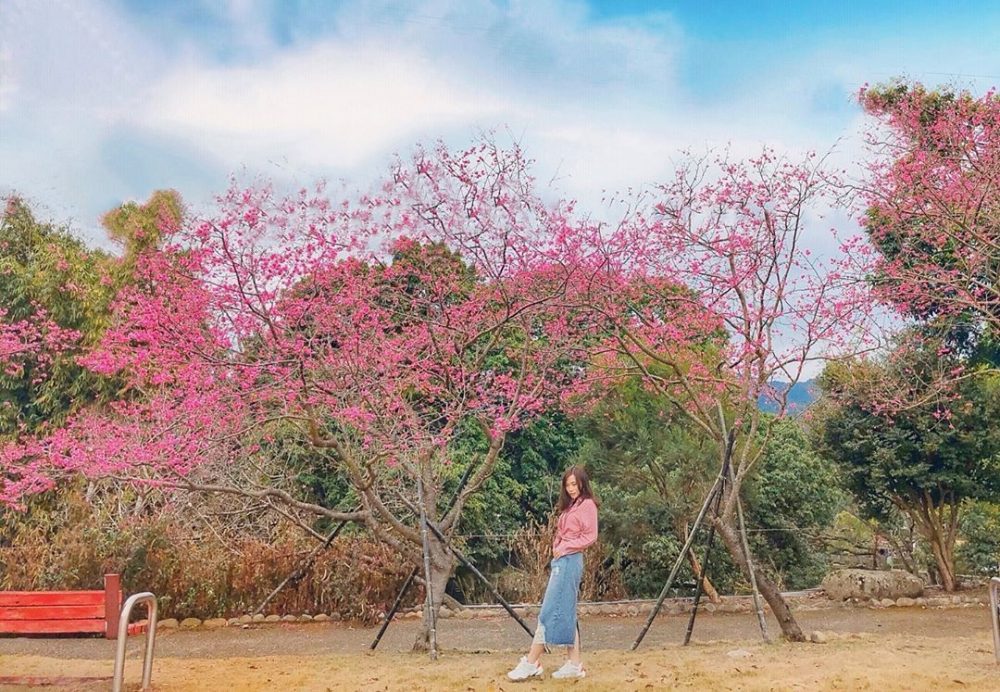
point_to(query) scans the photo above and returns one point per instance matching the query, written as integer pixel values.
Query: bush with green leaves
(978, 551)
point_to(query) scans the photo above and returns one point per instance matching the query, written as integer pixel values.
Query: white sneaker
(570, 670)
(524, 670)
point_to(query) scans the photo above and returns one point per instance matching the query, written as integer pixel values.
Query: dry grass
(901, 662)
(193, 569)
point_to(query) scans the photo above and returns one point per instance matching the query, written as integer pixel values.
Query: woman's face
(572, 488)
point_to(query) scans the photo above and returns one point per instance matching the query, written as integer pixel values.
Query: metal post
(995, 614)
(147, 659)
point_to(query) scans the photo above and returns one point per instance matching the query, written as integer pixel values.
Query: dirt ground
(893, 649)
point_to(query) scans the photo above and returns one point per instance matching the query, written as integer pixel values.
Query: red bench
(63, 612)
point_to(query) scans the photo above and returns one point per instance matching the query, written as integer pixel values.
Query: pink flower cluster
(379, 325)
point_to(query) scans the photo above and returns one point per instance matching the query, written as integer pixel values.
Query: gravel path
(502, 634)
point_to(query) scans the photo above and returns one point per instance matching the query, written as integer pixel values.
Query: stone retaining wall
(815, 600)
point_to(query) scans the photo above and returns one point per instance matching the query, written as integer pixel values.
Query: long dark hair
(582, 482)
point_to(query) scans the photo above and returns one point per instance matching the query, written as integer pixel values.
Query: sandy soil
(906, 649)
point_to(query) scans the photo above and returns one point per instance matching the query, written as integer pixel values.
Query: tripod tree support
(429, 585)
(727, 473)
(761, 621)
(300, 568)
(745, 544)
(395, 607)
(677, 564)
(413, 573)
(705, 563)
(486, 582)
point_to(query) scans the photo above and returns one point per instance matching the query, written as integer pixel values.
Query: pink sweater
(576, 528)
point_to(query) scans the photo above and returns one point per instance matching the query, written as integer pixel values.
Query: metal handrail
(147, 660)
(995, 614)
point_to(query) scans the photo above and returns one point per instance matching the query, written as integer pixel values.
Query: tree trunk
(945, 560)
(941, 537)
(442, 567)
(768, 589)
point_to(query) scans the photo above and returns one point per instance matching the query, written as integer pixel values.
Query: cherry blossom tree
(452, 296)
(373, 329)
(933, 203)
(34, 340)
(28, 347)
(711, 295)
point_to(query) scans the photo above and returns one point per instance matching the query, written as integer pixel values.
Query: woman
(576, 529)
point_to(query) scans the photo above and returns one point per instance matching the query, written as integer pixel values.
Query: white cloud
(600, 105)
(330, 105)
(8, 84)
(71, 58)
(579, 94)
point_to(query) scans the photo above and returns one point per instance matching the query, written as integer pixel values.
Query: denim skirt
(557, 619)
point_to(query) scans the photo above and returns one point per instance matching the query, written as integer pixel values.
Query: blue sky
(102, 102)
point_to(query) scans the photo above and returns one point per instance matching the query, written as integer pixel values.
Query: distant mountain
(799, 396)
